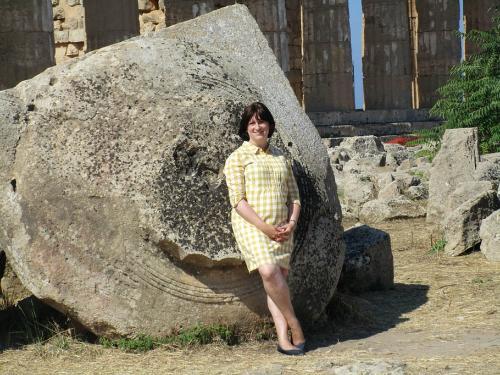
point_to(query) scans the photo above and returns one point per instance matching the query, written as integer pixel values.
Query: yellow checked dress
(265, 179)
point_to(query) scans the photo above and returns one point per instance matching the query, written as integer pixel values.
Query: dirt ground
(442, 317)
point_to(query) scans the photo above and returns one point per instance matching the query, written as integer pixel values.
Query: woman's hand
(285, 230)
(273, 232)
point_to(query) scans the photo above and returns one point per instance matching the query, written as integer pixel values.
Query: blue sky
(355, 17)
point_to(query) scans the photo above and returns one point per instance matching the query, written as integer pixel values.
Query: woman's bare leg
(277, 290)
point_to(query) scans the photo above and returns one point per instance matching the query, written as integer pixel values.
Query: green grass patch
(192, 336)
(428, 153)
(438, 246)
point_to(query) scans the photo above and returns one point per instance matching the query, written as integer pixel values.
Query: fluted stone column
(26, 40)
(386, 60)
(438, 46)
(328, 72)
(110, 22)
(478, 16)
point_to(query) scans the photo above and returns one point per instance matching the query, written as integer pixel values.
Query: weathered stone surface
(357, 190)
(490, 236)
(461, 226)
(115, 210)
(418, 192)
(360, 147)
(368, 263)
(488, 169)
(465, 191)
(455, 162)
(394, 189)
(395, 154)
(399, 207)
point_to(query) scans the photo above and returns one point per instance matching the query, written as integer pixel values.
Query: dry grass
(442, 318)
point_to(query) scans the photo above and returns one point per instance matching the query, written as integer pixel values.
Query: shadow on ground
(31, 321)
(352, 317)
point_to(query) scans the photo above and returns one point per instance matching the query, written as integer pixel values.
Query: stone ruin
(115, 211)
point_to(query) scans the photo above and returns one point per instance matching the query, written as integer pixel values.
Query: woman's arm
(246, 212)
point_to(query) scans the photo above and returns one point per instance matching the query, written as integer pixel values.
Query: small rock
(422, 161)
(383, 179)
(357, 190)
(368, 264)
(392, 190)
(461, 226)
(418, 192)
(406, 179)
(363, 146)
(407, 164)
(379, 210)
(396, 154)
(72, 50)
(490, 236)
(489, 169)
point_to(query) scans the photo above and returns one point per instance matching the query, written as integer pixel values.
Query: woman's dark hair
(262, 113)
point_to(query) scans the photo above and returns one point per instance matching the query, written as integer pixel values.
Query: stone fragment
(72, 3)
(368, 264)
(455, 163)
(406, 180)
(383, 179)
(77, 35)
(401, 207)
(490, 236)
(461, 226)
(465, 191)
(357, 190)
(156, 17)
(488, 169)
(72, 50)
(419, 192)
(145, 5)
(407, 164)
(114, 209)
(58, 13)
(364, 146)
(395, 154)
(71, 23)
(392, 190)
(61, 36)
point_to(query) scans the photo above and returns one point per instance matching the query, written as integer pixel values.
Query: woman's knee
(269, 272)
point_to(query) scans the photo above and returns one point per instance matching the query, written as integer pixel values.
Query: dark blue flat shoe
(301, 346)
(291, 351)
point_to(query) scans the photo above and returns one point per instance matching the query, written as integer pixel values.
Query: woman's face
(258, 130)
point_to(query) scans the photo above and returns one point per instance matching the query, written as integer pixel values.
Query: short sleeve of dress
(234, 171)
(293, 189)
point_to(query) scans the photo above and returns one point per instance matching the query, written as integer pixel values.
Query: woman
(266, 207)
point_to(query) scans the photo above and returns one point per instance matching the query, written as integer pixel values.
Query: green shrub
(471, 97)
